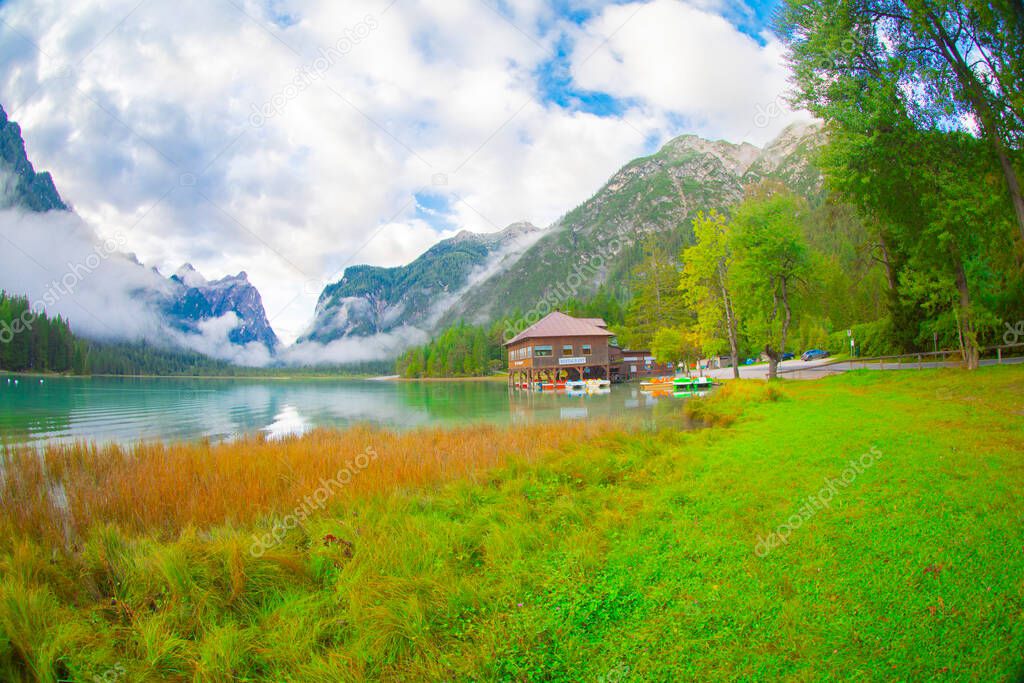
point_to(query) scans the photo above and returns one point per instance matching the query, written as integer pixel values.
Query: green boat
(692, 383)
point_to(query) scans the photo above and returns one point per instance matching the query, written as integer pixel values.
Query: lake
(125, 410)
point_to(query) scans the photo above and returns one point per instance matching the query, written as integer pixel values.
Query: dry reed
(162, 488)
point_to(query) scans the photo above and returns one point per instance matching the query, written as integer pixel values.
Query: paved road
(798, 369)
(761, 371)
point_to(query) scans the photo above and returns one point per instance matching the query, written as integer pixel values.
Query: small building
(560, 347)
(716, 362)
(628, 364)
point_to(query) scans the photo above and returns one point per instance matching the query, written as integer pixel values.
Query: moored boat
(693, 383)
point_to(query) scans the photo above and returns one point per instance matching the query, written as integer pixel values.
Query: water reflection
(287, 423)
(129, 409)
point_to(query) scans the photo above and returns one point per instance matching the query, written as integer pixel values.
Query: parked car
(788, 355)
(814, 354)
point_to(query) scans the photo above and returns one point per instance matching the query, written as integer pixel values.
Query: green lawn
(637, 557)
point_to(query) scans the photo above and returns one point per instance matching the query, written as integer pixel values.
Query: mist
(64, 268)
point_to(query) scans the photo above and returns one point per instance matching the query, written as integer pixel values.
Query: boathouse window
(542, 350)
(567, 350)
(586, 349)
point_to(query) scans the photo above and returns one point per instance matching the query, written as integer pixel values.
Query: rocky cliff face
(20, 185)
(369, 300)
(194, 300)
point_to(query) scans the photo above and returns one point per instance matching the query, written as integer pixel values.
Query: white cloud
(689, 61)
(55, 260)
(212, 339)
(383, 346)
(150, 134)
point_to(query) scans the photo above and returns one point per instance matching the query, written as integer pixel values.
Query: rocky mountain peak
(511, 232)
(737, 158)
(519, 229)
(189, 276)
(197, 299)
(20, 185)
(789, 141)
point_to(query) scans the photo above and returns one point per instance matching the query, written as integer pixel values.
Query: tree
(771, 258)
(948, 220)
(676, 345)
(458, 351)
(656, 303)
(704, 283)
(950, 65)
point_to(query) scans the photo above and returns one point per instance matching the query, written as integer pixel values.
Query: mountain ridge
(651, 197)
(370, 300)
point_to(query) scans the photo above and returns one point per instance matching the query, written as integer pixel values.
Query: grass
(605, 555)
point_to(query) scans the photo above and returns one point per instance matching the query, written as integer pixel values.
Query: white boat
(597, 383)
(575, 384)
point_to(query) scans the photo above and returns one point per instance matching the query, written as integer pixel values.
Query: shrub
(876, 338)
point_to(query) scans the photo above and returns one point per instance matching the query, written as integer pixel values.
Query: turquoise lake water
(124, 410)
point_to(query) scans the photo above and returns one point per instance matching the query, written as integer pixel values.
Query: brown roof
(596, 321)
(561, 325)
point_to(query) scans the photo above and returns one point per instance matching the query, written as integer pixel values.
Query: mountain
(652, 199)
(369, 300)
(194, 300)
(20, 185)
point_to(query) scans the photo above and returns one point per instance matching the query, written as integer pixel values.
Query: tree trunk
(773, 361)
(1012, 182)
(788, 317)
(730, 323)
(965, 323)
(774, 356)
(890, 269)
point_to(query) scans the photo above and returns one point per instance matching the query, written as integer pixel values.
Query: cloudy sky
(291, 138)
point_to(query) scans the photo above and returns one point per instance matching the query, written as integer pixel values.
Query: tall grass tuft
(728, 403)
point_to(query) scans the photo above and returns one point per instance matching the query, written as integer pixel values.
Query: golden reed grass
(59, 492)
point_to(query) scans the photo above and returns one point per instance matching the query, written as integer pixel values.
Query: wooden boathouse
(560, 347)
